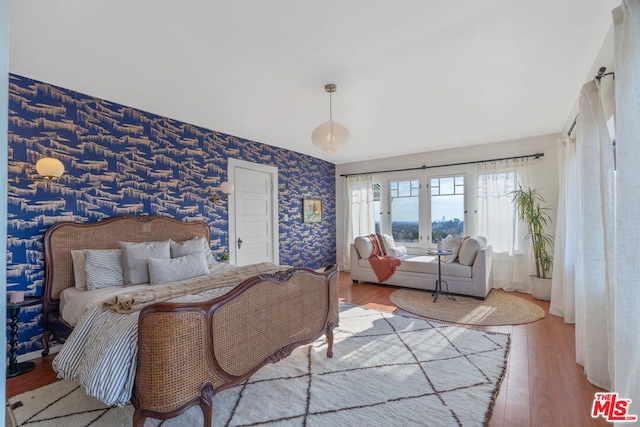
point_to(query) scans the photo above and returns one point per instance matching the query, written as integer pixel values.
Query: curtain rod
(536, 155)
(601, 73)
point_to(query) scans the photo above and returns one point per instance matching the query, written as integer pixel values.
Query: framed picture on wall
(311, 210)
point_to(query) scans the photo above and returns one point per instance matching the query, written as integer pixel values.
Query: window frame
(425, 231)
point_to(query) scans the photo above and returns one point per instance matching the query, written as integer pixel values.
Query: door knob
(239, 242)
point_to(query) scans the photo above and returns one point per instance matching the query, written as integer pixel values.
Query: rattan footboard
(189, 352)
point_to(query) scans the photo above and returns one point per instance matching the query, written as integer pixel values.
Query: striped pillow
(102, 268)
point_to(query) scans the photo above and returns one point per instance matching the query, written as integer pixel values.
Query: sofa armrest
(481, 271)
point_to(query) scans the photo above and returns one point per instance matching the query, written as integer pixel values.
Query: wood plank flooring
(543, 385)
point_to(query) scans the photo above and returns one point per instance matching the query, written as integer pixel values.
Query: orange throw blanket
(383, 265)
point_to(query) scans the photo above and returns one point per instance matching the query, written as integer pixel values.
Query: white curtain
(359, 216)
(627, 298)
(563, 299)
(595, 242)
(498, 222)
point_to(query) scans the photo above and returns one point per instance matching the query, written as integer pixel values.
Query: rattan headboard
(63, 237)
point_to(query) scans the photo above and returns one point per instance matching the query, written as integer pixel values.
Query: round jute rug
(499, 308)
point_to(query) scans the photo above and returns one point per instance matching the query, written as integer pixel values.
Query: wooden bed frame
(187, 352)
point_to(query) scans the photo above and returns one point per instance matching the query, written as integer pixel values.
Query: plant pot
(540, 288)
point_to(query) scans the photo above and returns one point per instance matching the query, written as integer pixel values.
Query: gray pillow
(163, 271)
(102, 268)
(192, 246)
(452, 244)
(470, 248)
(135, 256)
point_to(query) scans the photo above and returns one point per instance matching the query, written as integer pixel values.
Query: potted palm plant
(532, 212)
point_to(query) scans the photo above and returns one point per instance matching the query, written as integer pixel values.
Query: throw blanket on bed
(383, 265)
(135, 301)
(101, 352)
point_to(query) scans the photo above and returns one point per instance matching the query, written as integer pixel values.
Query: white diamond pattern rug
(387, 370)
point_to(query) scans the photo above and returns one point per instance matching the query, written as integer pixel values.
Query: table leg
(15, 368)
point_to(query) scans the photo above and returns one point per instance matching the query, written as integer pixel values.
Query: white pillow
(163, 271)
(397, 251)
(135, 256)
(102, 268)
(452, 244)
(79, 275)
(470, 248)
(192, 246)
(364, 246)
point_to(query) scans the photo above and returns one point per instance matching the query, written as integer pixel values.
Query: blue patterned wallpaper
(123, 161)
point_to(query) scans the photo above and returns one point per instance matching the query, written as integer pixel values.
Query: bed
(182, 341)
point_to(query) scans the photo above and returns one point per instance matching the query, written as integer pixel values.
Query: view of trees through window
(405, 210)
(447, 207)
(440, 210)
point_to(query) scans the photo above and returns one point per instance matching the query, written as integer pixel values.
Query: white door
(253, 213)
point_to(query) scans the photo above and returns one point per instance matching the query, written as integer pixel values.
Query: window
(405, 211)
(418, 212)
(377, 210)
(447, 207)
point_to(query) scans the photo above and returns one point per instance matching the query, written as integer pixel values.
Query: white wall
(4, 115)
(545, 171)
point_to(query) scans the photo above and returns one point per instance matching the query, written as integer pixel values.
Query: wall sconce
(48, 168)
(226, 188)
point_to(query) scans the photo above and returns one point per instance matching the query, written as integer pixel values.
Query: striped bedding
(101, 352)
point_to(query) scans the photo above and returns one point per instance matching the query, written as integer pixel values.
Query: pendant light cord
(331, 117)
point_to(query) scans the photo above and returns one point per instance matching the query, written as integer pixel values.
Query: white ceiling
(412, 75)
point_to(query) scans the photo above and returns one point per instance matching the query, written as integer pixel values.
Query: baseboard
(36, 354)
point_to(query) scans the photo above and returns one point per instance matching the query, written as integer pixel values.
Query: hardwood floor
(543, 385)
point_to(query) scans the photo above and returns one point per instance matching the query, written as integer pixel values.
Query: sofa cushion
(363, 246)
(470, 248)
(367, 246)
(397, 251)
(427, 265)
(452, 244)
(386, 242)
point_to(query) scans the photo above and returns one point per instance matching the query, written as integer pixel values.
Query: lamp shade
(330, 136)
(50, 168)
(227, 187)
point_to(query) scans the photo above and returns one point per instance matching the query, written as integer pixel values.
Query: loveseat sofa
(421, 271)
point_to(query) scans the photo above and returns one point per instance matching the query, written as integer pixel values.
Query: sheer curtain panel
(359, 217)
(595, 242)
(498, 222)
(627, 298)
(563, 295)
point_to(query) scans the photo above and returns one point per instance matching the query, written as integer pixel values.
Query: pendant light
(330, 135)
